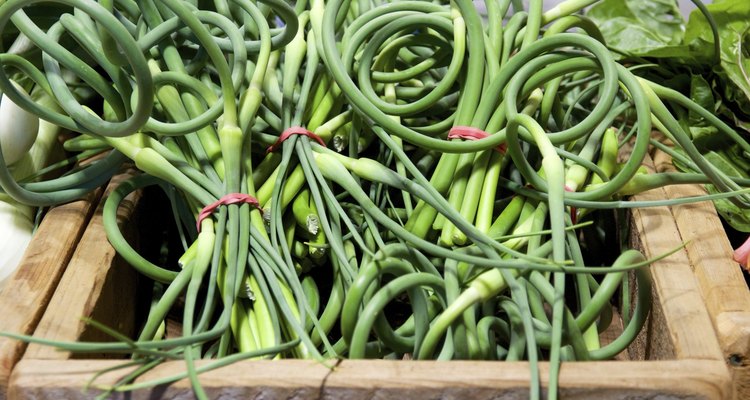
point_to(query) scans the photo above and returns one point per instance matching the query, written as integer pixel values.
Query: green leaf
(732, 116)
(640, 27)
(703, 95)
(733, 20)
(706, 136)
(738, 218)
(732, 93)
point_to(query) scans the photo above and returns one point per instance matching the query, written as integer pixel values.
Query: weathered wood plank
(96, 284)
(64, 379)
(684, 379)
(380, 379)
(25, 295)
(676, 289)
(719, 277)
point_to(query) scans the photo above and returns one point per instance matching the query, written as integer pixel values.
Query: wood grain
(57, 379)
(719, 277)
(678, 298)
(386, 380)
(25, 295)
(96, 284)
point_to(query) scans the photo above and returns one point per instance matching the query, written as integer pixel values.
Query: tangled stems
(373, 207)
(78, 117)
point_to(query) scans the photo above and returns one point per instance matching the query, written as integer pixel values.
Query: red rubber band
(295, 130)
(469, 133)
(232, 198)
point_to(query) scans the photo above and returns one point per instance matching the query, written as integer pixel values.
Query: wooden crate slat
(677, 298)
(64, 379)
(386, 380)
(25, 295)
(96, 284)
(381, 379)
(719, 277)
(685, 315)
(708, 247)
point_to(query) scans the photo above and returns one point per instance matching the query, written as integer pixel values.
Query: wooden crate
(97, 284)
(720, 279)
(26, 294)
(677, 356)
